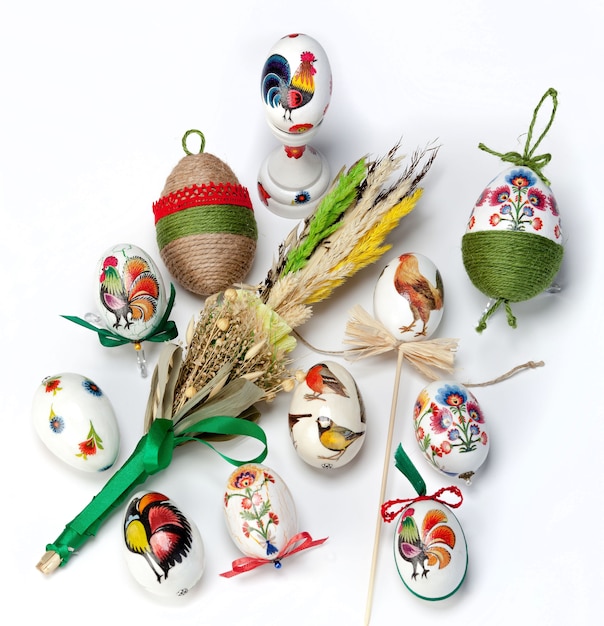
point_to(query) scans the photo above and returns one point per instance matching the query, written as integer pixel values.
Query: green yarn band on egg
(512, 266)
(224, 218)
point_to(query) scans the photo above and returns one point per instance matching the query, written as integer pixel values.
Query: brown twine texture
(198, 169)
(209, 263)
(206, 263)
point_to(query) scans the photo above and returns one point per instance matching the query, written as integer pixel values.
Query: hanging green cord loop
(186, 136)
(536, 163)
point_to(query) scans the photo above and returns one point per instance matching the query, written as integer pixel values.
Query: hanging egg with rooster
(130, 292)
(430, 548)
(131, 301)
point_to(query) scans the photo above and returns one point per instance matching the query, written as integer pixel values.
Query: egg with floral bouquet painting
(450, 429)
(512, 248)
(261, 519)
(75, 420)
(259, 510)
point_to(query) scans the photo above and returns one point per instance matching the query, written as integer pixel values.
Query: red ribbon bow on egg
(248, 563)
(388, 515)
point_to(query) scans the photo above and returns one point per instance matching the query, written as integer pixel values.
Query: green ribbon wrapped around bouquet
(199, 420)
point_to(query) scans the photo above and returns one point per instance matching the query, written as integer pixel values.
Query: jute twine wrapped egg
(205, 224)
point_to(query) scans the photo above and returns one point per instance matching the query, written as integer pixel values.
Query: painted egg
(327, 417)
(430, 550)
(450, 429)
(163, 548)
(260, 512)
(75, 420)
(409, 297)
(512, 247)
(296, 85)
(130, 292)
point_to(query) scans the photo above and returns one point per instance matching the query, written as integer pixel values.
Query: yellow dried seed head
(190, 392)
(223, 323)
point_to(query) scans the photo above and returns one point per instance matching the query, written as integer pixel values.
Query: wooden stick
(387, 460)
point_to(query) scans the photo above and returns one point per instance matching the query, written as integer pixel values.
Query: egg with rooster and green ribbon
(430, 550)
(130, 292)
(163, 548)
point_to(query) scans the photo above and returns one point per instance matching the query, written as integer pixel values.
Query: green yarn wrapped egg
(512, 248)
(205, 225)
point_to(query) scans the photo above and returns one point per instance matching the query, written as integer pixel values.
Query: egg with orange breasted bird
(163, 548)
(408, 298)
(327, 416)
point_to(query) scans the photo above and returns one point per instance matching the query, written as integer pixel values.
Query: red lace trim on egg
(202, 195)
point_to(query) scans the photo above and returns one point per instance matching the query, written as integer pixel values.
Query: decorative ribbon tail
(166, 330)
(107, 338)
(299, 542)
(405, 466)
(152, 454)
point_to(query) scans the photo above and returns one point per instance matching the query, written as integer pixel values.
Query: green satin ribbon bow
(152, 455)
(165, 330)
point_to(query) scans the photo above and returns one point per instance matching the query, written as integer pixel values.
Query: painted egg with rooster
(164, 551)
(75, 420)
(296, 85)
(450, 429)
(130, 292)
(327, 416)
(430, 550)
(408, 298)
(259, 511)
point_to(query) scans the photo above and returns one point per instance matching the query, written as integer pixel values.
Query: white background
(95, 100)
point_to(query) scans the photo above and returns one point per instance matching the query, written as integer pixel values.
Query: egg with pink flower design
(260, 512)
(512, 248)
(450, 429)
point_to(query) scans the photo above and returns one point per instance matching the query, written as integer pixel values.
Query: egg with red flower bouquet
(450, 429)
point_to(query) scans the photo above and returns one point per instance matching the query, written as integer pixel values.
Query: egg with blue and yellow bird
(327, 416)
(163, 547)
